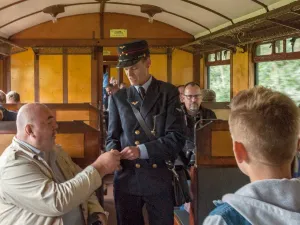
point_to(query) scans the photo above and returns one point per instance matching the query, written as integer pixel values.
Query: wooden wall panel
(73, 144)
(221, 144)
(87, 26)
(110, 50)
(125, 79)
(145, 29)
(22, 75)
(79, 77)
(51, 79)
(114, 72)
(5, 141)
(158, 67)
(203, 73)
(240, 72)
(182, 67)
(222, 114)
(1, 75)
(69, 115)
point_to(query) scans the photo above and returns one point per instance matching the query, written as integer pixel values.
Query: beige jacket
(29, 194)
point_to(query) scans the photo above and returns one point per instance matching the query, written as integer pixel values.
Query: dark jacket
(204, 115)
(161, 112)
(8, 115)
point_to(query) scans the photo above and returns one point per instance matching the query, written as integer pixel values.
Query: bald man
(39, 183)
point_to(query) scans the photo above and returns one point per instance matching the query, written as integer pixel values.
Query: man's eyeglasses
(189, 97)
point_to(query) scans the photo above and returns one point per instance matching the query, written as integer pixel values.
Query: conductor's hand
(130, 153)
(107, 162)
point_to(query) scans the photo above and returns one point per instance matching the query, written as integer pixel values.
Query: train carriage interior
(60, 53)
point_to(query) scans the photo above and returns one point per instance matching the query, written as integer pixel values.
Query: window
(280, 70)
(264, 49)
(218, 74)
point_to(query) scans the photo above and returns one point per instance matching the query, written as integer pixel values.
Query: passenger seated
(122, 85)
(40, 184)
(2, 97)
(208, 95)
(264, 126)
(193, 112)
(180, 88)
(6, 115)
(13, 97)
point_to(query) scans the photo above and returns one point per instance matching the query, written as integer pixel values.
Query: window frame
(281, 56)
(274, 56)
(220, 62)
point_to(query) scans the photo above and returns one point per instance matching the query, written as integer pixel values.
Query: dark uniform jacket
(162, 114)
(204, 115)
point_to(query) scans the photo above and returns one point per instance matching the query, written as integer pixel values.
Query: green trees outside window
(219, 81)
(283, 76)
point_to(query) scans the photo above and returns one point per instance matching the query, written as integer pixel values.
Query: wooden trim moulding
(65, 78)
(196, 68)
(159, 42)
(169, 64)
(7, 74)
(36, 77)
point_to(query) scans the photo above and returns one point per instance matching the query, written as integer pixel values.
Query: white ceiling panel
(234, 9)
(5, 3)
(167, 18)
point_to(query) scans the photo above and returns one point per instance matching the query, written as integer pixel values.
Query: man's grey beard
(194, 108)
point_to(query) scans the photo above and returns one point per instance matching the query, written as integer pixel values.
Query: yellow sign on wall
(106, 52)
(118, 33)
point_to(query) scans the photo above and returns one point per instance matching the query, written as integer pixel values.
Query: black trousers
(159, 207)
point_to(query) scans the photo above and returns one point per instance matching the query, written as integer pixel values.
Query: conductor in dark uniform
(144, 178)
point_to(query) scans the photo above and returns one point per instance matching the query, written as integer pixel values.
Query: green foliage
(283, 76)
(219, 81)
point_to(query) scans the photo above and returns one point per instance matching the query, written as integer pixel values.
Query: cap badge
(134, 103)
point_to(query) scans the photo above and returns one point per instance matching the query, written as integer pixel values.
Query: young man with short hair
(264, 126)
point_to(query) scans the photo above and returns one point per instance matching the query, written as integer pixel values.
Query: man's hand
(1, 115)
(102, 218)
(107, 162)
(130, 153)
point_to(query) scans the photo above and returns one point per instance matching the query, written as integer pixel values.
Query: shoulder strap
(141, 120)
(147, 131)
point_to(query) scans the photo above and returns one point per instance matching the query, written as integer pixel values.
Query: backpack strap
(229, 214)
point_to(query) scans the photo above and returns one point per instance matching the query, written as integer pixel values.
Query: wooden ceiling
(215, 24)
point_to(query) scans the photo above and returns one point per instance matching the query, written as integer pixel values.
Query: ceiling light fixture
(151, 10)
(54, 10)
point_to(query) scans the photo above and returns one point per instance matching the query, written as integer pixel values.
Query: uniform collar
(145, 85)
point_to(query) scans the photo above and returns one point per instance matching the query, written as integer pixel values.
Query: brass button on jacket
(137, 132)
(154, 166)
(137, 143)
(138, 165)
